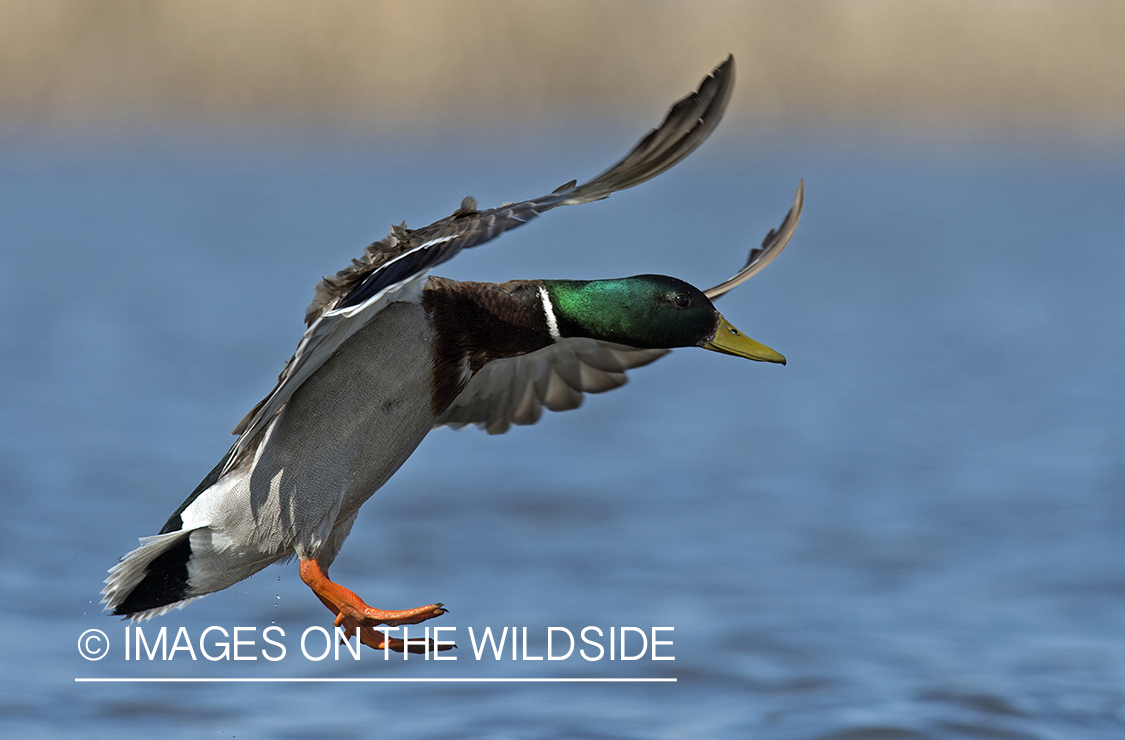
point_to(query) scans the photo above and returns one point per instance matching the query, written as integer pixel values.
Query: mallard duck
(391, 352)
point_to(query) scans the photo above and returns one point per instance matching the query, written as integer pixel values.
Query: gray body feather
(300, 491)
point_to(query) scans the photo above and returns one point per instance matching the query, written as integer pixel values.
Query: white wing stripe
(432, 242)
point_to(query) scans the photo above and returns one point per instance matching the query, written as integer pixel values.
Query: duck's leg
(353, 614)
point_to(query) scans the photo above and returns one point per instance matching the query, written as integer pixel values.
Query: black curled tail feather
(151, 579)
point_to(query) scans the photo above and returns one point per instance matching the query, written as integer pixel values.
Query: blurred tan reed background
(1057, 65)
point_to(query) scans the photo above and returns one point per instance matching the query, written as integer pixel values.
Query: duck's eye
(682, 300)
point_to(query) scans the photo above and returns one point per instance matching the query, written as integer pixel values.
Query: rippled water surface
(915, 530)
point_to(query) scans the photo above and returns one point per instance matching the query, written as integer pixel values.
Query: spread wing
(772, 245)
(394, 268)
(515, 390)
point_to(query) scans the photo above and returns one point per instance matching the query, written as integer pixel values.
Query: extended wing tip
(724, 75)
(798, 204)
(725, 67)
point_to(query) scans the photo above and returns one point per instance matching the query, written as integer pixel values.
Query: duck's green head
(648, 311)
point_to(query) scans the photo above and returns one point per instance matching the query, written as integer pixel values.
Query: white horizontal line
(375, 680)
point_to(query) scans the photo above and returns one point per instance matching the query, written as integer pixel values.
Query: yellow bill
(731, 341)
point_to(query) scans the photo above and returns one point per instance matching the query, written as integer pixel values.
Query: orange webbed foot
(353, 613)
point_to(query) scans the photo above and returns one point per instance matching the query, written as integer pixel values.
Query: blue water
(915, 530)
